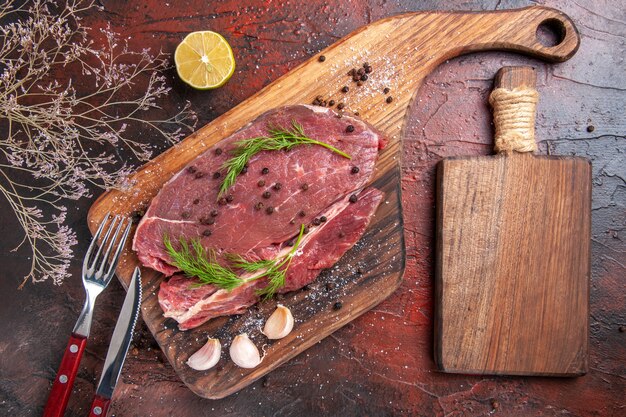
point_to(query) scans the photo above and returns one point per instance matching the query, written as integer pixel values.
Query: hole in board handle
(551, 32)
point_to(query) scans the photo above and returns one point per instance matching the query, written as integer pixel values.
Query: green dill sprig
(279, 139)
(194, 261)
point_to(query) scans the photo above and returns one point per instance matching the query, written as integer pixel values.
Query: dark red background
(382, 363)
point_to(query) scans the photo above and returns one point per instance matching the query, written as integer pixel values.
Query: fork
(97, 273)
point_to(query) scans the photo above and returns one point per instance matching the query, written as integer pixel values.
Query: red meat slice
(192, 305)
(300, 185)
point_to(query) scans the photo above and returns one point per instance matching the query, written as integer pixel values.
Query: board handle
(514, 102)
(538, 31)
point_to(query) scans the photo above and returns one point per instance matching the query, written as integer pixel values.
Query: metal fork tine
(105, 258)
(118, 252)
(94, 261)
(94, 241)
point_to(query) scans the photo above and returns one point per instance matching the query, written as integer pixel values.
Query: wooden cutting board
(513, 257)
(402, 50)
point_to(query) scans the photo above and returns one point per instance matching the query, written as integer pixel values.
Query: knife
(120, 341)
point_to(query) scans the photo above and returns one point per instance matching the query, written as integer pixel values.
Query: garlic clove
(244, 353)
(207, 356)
(279, 324)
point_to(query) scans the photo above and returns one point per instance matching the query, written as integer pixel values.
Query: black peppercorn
(277, 186)
(330, 286)
(192, 169)
(265, 171)
(359, 83)
(302, 213)
(341, 234)
(269, 210)
(229, 198)
(196, 201)
(386, 90)
(364, 77)
(352, 72)
(214, 213)
(338, 305)
(307, 287)
(323, 219)
(258, 206)
(305, 230)
(267, 194)
(366, 64)
(345, 89)
(304, 186)
(340, 106)
(331, 103)
(389, 99)
(355, 170)
(218, 151)
(244, 169)
(353, 198)
(591, 128)
(207, 232)
(185, 214)
(361, 71)
(316, 222)
(290, 243)
(261, 183)
(350, 128)
(216, 175)
(322, 58)
(368, 69)
(221, 201)
(207, 220)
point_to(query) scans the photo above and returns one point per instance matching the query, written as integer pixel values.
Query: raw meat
(192, 306)
(300, 185)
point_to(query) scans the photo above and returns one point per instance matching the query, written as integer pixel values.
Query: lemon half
(204, 60)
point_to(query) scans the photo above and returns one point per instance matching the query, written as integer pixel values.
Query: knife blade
(120, 342)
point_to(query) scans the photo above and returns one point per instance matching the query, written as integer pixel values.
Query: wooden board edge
(580, 159)
(573, 374)
(585, 365)
(438, 278)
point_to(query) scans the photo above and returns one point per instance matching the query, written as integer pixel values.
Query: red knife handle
(64, 381)
(99, 406)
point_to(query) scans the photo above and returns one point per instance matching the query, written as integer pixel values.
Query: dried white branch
(57, 144)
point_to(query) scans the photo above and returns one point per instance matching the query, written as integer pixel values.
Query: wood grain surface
(513, 267)
(513, 259)
(421, 41)
(380, 364)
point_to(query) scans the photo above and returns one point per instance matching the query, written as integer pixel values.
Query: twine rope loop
(514, 117)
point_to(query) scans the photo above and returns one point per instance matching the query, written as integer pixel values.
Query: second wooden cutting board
(513, 250)
(402, 51)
